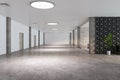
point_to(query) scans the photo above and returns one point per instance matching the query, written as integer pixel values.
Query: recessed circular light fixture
(42, 4)
(52, 24)
(4, 5)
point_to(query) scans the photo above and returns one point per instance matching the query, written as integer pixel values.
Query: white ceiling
(68, 13)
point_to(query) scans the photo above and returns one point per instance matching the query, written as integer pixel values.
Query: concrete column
(34, 40)
(38, 37)
(70, 39)
(92, 35)
(73, 38)
(43, 38)
(29, 37)
(78, 37)
(8, 35)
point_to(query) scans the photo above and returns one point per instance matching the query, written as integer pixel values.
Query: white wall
(2, 35)
(34, 32)
(16, 28)
(84, 35)
(57, 38)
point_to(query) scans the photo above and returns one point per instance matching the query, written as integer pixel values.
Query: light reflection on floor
(57, 46)
(52, 50)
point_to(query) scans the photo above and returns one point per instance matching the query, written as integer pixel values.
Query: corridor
(58, 63)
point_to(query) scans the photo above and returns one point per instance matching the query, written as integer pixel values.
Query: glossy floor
(58, 63)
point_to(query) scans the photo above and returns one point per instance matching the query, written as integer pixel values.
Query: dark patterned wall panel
(104, 26)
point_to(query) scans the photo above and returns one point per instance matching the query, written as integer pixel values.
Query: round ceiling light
(42, 4)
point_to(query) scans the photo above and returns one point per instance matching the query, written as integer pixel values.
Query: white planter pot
(108, 52)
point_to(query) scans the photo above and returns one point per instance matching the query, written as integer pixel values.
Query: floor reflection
(58, 64)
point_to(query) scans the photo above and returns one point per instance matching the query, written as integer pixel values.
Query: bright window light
(53, 24)
(42, 5)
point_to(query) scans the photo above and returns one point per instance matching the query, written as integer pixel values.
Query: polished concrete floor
(58, 63)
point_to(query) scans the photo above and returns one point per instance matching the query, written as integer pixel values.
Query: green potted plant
(108, 42)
